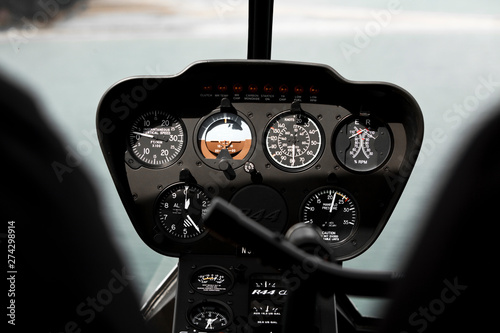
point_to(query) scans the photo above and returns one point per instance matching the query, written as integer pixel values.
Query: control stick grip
(227, 222)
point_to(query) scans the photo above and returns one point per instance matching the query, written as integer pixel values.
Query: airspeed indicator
(157, 139)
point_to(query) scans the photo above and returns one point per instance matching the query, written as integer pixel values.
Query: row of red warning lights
(254, 89)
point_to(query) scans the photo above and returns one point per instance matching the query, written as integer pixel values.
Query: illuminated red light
(268, 88)
(283, 89)
(237, 88)
(206, 88)
(222, 88)
(313, 90)
(253, 88)
(299, 90)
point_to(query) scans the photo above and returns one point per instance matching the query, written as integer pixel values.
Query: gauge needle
(151, 136)
(333, 201)
(191, 223)
(144, 134)
(358, 132)
(209, 323)
(369, 134)
(187, 201)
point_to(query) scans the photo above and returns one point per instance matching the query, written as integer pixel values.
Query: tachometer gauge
(157, 138)
(211, 280)
(210, 316)
(179, 211)
(293, 141)
(362, 143)
(225, 135)
(334, 211)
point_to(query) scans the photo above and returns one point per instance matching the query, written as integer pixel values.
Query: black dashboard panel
(285, 142)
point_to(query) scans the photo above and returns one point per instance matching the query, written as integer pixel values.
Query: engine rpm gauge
(363, 143)
(157, 138)
(334, 211)
(293, 141)
(179, 211)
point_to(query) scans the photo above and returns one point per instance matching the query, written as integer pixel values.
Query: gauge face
(293, 141)
(267, 300)
(333, 211)
(157, 139)
(210, 316)
(212, 280)
(362, 144)
(225, 135)
(179, 211)
(267, 314)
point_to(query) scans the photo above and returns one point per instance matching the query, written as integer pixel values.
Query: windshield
(445, 53)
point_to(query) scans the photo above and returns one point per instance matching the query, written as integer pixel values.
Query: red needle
(357, 133)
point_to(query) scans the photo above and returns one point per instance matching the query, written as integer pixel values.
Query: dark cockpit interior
(262, 179)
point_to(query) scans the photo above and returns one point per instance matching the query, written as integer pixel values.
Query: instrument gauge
(225, 135)
(362, 144)
(157, 139)
(179, 211)
(334, 211)
(211, 280)
(210, 315)
(293, 141)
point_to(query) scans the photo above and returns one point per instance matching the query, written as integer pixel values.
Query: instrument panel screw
(158, 238)
(159, 187)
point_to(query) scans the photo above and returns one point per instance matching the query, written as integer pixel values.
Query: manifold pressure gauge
(157, 138)
(334, 211)
(179, 211)
(362, 143)
(293, 141)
